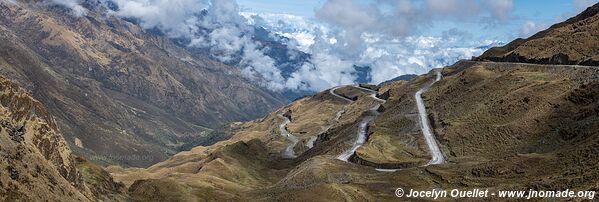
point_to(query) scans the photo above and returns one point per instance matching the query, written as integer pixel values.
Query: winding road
(289, 152)
(310, 142)
(363, 127)
(437, 155)
(332, 91)
(373, 93)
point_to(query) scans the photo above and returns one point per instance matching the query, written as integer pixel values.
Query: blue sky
(540, 12)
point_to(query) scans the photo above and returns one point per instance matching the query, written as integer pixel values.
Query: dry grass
(500, 126)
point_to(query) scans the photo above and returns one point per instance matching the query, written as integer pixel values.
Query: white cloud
(530, 28)
(345, 33)
(388, 57)
(262, 68)
(302, 31)
(401, 18)
(501, 10)
(220, 29)
(453, 8)
(175, 18)
(74, 5)
(304, 40)
(323, 72)
(417, 55)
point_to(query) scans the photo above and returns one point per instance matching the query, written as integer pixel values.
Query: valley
(129, 96)
(402, 148)
(99, 107)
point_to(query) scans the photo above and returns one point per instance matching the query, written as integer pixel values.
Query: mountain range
(76, 93)
(117, 90)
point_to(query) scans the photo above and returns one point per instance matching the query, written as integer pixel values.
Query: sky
(540, 12)
(389, 37)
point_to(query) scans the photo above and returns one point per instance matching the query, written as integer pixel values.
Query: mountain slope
(500, 126)
(36, 163)
(119, 93)
(575, 41)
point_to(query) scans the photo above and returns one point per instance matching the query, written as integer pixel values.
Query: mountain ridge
(36, 161)
(577, 39)
(127, 96)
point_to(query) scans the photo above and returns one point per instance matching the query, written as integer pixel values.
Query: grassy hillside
(500, 126)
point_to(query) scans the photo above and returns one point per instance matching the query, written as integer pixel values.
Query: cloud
(302, 31)
(175, 18)
(453, 8)
(386, 17)
(345, 33)
(228, 36)
(388, 56)
(401, 18)
(501, 10)
(530, 28)
(580, 5)
(418, 54)
(260, 67)
(74, 5)
(214, 25)
(324, 71)
(353, 18)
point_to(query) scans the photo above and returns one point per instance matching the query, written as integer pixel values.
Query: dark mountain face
(124, 95)
(571, 42)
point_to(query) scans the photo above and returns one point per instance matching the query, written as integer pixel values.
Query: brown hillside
(124, 95)
(501, 126)
(575, 41)
(36, 163)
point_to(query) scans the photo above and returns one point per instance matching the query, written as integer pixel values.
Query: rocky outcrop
(36, 161)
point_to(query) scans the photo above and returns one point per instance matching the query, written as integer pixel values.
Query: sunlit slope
(498, 125)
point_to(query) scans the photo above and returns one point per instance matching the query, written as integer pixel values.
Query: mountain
(497, 125)
(406, 77)
(121, 94)
(37, 164)
(571, 42)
